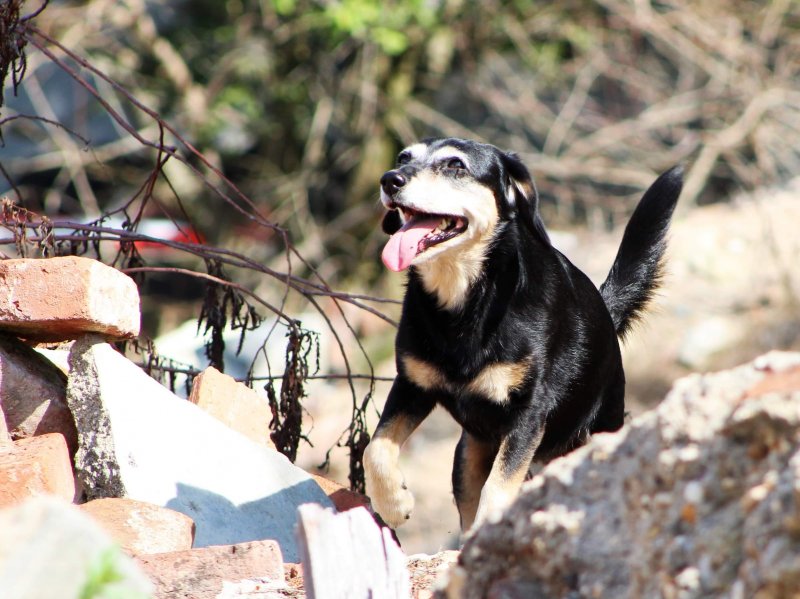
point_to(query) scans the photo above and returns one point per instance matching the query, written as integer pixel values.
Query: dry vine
(227, 303)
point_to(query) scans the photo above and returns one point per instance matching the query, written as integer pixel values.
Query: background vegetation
(261, 127)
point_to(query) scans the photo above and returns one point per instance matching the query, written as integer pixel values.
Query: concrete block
(141, 527)
(349, 555)
(202, 573)
(138, 440)
(49, 549)
(233, 403)
(55, 299)
(33, 393)
(35, 466)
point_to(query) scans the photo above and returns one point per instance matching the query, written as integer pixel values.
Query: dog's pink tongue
(403, 246)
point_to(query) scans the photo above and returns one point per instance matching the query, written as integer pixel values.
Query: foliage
(303, 103)
(106, 580)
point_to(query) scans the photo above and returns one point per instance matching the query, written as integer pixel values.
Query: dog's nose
(392, 181)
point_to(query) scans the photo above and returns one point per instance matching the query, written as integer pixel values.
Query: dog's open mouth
(420, 232)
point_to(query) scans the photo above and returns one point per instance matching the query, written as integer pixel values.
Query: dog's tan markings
(524, 187)
(385, 482)
(475, 465)
(502, 485)
(423, 374)
(450, 276)
(496, 381)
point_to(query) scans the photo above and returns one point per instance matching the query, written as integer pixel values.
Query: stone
(35, 466)
(48, 548)
(5, 437)
(202, 573)
(234, 404)
(138, 440)
(696, 498)
(343, 498)
(428, 572)
(54, 299)
(140, 527)
(349, 555)
(33, 393)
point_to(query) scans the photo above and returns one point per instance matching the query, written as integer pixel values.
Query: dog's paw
(386, 487)
(394, 504)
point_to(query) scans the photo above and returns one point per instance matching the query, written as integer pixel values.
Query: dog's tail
(638, 268)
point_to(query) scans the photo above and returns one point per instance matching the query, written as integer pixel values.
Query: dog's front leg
(405, 408)
(508, 472)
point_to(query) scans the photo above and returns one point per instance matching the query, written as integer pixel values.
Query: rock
(33, 393)
(48, 549)
(140, 441)
(428, 572)
(5, 437)
(55, 299)
(140, 527)
(35, 466)
(202, 573)
(343, 498)
(696, 498)
(234, 404)
(349, 555)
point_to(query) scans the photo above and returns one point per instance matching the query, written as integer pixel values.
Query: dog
(498, 326)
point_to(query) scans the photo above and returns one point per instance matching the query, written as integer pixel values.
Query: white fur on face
(417, 151)
(449, 268)
(434, 193)
(449, 152)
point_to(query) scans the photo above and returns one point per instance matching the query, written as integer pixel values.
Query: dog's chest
(494, 381)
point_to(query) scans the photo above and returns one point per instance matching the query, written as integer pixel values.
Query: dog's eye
(456, 164)
(403, 158)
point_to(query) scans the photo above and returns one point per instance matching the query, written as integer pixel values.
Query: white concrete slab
(138, 440)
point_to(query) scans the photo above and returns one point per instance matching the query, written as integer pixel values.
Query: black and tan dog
(497, 325)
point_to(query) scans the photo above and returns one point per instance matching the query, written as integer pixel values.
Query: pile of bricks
(59, 300)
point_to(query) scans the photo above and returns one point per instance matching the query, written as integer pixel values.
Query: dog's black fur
(528, 307)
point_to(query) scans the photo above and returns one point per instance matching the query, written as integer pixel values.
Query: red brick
(33, 394)
(232, 403)
(141, 527)
(343, 498)
(56, 299)
(35, 466)
(200, 573)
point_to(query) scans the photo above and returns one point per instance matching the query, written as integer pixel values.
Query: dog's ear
(521, 197)
(391, 222)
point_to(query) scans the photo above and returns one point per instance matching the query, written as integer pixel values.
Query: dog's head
(450, 194)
